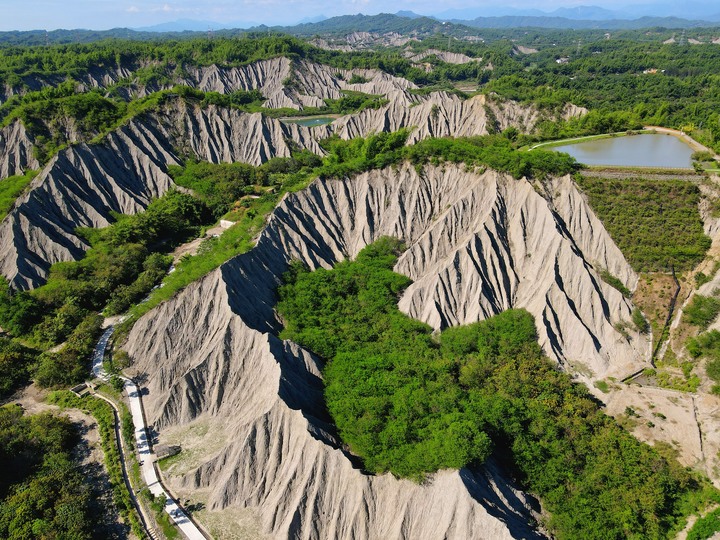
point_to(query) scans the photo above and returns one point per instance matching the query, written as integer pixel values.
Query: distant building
(562, 60)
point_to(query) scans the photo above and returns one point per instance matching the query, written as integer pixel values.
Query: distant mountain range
(404, 22)
(579, 18)
(688, 10)
(564, 23)
(184, 25)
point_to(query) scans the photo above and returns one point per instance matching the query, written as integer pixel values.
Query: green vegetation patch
(655, 223)
(103, 413)
(702, 311)
(391, 394)
(614, 282)
(409, 403)
(706, 526)
(707, 345)
(11, 188)
(42, 493)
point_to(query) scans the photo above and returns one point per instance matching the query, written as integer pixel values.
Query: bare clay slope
(82, 185)
(440, 114)
(294, 85)
(477, 244)
(16, 150)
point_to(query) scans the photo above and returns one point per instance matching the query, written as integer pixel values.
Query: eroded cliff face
(477, 244)
(83, 184)
(444, 56)
(293, 84)
(439, 115)
(284, 82)
(16, 150)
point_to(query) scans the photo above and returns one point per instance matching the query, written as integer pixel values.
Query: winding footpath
(142, 442)
(692, 143)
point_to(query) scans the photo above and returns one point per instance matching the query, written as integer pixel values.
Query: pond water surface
(309, 122)
(647, 150)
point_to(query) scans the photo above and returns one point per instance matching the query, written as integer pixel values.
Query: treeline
(496, 152)
(169, 57)
(42, 493)
(125, 261)
(410, 403)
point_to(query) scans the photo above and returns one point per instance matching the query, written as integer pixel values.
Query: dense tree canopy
(42, 493)
(411, 403)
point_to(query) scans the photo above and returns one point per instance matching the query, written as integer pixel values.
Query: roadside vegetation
(105, 417)
(42, 492)
(410, 403)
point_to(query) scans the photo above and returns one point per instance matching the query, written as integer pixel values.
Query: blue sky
(103, 14)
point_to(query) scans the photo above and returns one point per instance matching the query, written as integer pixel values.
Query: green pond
(309, 122)
(647, 150)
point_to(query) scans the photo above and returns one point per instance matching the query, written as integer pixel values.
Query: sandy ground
(198, 440)
(191, 248)
(90, 458)
(686, 422)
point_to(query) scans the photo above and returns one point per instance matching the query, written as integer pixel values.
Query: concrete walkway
(142, 443)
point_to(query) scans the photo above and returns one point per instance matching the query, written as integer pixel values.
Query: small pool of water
(646, 150)
(309, 122)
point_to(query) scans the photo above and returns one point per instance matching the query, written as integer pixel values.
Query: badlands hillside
(470, 254)
(187, 209)
(83, 184)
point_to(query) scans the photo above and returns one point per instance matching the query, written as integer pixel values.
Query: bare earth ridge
(208, 356)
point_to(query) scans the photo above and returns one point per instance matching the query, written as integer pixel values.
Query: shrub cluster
(409, 403)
